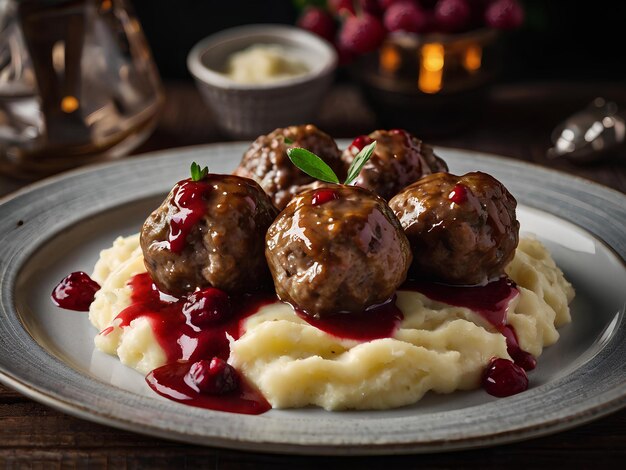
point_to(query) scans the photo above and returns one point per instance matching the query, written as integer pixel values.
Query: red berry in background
(384, 4)
(504, 14)
(503, 378)
(215, 377)
(371, 6)
(427, 4)
(318, 21)
(207, 307)
(405, 16)
(361, 34)
(341, 7)
(344, 55)
(452, 15)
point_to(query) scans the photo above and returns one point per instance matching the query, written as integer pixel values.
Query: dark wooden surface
(515, 123)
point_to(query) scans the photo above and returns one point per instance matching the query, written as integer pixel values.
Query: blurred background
(496, 76)
(558, 40)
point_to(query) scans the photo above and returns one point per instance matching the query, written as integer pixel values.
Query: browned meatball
(267, 163)
(337, 249)
(398, 160)
(209, 233)
(462, 229)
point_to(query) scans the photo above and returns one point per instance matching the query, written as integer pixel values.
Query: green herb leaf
(361, 159)
(312, 165)
(288, 141)
(198, 173)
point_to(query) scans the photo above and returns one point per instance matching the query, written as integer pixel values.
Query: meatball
(337, 249)
(209, 233)
(267, 163)
(398, 160)
(462, 229)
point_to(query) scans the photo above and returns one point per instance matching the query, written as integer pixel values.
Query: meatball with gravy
(398, 160)
(267, 163)
(337, 249)
(462, 229)
(209, 233)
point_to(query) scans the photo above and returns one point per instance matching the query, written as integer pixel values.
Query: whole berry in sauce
(361, 141)
(503, 378)
(458, 195)
(75, 292)
(207, 306)
(324, 195)
(214, 377)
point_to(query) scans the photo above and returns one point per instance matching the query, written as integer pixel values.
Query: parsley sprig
(198, 173)
(314, 166)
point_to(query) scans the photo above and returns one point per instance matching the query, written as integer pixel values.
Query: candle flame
(69, 104)
(431, 68)
(472, 58)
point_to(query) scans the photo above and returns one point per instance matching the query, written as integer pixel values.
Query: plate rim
(44, 396)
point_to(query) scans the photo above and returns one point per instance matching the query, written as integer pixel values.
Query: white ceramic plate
(59, 226)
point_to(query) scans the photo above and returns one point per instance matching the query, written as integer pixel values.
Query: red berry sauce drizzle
(375, 322)
(75, 292)
(190, 330)
(188, 199)
(501, 377)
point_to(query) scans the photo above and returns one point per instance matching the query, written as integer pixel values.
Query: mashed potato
(438, 347)
(264, 63)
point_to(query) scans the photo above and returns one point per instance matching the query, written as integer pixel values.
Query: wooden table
(516, 123)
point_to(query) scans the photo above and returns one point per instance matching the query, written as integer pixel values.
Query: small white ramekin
(245, 110)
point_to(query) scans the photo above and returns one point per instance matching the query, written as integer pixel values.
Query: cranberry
(504, 14)
(452, 15)
(341, 7)
(405, 16)
(207, 307)
(318, 21)
(322, 196)
(360, 142)
(503, 378)
(345, 56)
(371, 6)
(75, 292)
(458, 195)
(362, 33)
(384, 4)
(215, 377)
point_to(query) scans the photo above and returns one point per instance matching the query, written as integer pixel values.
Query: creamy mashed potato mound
(438, 347)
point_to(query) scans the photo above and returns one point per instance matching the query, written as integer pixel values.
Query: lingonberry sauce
(179, 337)
(171, 381)
(375, 322)
(458, 195)
(189, 201)
(490, 301)
(503, 378)
(324, 195)
(361, 141)
(185, 343)
(75, 292)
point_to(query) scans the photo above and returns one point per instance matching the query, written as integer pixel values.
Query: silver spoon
(589, 134)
